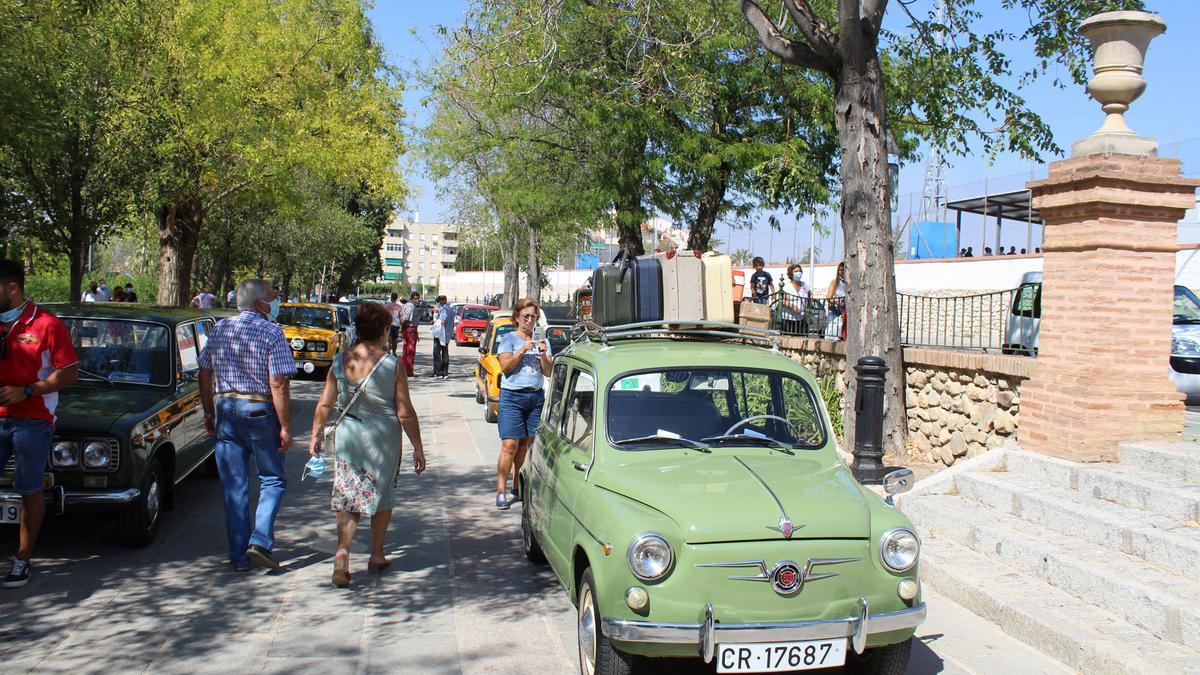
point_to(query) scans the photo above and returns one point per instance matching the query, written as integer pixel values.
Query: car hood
(306, 332)
(97, 408)
(733, 495)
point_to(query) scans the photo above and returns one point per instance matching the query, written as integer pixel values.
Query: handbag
(328, 432)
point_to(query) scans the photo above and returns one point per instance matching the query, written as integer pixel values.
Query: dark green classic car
(685, 488)
(132, 427)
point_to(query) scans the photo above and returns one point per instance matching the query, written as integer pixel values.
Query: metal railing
(978, 321)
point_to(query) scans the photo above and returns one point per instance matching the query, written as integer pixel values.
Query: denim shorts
(519, 412)
(29, 441)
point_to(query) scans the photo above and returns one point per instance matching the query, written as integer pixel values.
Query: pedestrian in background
(523, 363)
(835, 317)
(443, 333)
(244, 388)
(794, 299)
(118, 294)
(393, 308)
(760, 282)
(203, 299)
(368, 446)
(130, 295)
(92, 294)
(408, 330)
(37, 360)
(102, 293)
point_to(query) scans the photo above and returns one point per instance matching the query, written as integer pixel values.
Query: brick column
(1107, 303)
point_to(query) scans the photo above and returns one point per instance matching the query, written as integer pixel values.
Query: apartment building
(418, 252)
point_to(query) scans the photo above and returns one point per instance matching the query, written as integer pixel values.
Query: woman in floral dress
(368, 440)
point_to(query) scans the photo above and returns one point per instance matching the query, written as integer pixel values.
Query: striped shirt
(244, 352)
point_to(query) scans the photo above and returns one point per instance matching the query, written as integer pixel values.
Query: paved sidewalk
(459, 596)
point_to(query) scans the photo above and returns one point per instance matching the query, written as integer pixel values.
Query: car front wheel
(479, 397)
(886, 660)
(597, 655)
(139, 523)
(489, 412)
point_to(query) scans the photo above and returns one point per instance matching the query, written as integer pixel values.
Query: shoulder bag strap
(361, 386)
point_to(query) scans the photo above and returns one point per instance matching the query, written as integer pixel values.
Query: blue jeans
(246, 428)
(29, 441)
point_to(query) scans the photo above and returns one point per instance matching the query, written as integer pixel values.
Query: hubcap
(152, 502)
(587, 633)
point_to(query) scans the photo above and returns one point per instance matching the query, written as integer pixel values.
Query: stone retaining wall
(960, 404)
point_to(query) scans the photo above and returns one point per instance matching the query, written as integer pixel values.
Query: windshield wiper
(95, 376)
(748, 439)
(662, 438)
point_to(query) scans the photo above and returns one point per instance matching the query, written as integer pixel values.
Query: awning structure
(1007, 205)
(1015, 206)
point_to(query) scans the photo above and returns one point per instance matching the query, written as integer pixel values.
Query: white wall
(912, 276)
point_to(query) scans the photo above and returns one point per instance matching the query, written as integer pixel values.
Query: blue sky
(1167, 111)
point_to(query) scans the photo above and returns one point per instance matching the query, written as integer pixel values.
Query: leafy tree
(950, 78)
(259, 95)
(65, 68)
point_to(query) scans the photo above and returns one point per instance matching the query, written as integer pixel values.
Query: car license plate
(10, 512)
(771, 657)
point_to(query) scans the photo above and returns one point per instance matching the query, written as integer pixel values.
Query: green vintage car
(132, 427)
(686, 489)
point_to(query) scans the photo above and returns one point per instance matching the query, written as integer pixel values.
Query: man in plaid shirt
(247, 365)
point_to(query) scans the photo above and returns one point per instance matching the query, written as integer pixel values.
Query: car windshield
(716, 406)
(119, 350)
(1187, 306)
(309, 317)
(476, 314)
(501, 331)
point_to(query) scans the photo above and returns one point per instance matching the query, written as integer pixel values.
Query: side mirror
(483, 350)
(897, 482)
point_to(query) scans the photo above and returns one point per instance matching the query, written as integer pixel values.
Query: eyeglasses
(527, 317)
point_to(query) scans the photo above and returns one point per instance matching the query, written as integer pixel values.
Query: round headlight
(899, 548)
(313, 346)
(650, 556)
(65, 454)
(95, 455)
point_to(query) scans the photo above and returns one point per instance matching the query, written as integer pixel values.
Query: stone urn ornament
(1119, 41)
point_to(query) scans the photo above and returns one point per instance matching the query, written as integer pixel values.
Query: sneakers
(502, 501)
(261, 557)
(512, 497)
(20, 572)
(240, 567)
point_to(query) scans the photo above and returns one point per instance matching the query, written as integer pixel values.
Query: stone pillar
(1107, 306)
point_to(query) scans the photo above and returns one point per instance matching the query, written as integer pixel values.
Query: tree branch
(789, 51)
(872, 11)
(814, 29)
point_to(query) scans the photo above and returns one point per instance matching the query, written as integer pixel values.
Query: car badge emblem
(786, 578)
(785, 527)
(297, 343)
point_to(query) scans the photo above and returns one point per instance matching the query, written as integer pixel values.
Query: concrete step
(1175, 460)
(1165, 605)
(1085, 638)
(1124, 484)
(1172, 546)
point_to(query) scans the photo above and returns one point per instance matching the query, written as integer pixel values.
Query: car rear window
(476, 313)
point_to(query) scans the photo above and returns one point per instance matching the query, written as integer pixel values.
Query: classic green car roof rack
(702, 330)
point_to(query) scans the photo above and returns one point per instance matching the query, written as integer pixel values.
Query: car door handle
(579, 466)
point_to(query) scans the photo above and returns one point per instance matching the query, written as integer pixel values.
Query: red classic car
(470, 323)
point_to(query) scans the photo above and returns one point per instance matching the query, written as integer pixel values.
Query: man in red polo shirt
(37, 360)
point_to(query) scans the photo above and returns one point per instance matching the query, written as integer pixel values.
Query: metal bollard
(868, 421)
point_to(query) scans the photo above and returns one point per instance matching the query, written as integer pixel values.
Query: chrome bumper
(59, 499)
(708, 633)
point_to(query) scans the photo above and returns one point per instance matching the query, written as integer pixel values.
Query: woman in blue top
(524, 362)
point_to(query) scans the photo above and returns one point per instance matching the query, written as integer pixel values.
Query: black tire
(533, 551)
(479, 397)
(886, 660)
(605, 658)
(140, 521)
(489, 414)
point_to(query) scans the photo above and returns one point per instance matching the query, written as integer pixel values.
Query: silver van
(1024, 317)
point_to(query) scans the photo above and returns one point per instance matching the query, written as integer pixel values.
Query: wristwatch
(29, 391)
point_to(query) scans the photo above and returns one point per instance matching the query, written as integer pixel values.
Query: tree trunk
(178, 235)
(710, 206)
(871, 317)
(78, 258)
(533, 269)
(512, 271)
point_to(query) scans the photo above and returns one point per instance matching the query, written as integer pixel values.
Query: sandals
(341, 570)
(373, 566)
